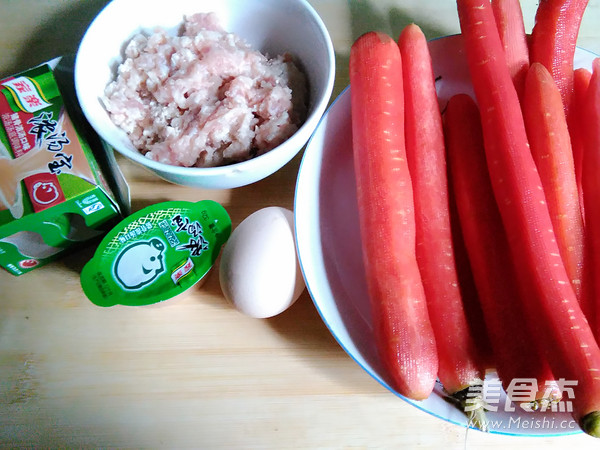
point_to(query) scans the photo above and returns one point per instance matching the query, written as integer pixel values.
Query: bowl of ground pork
(209, 94)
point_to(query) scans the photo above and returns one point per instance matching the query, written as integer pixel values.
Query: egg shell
(259, 270)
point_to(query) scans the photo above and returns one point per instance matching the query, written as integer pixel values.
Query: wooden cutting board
(194, 372)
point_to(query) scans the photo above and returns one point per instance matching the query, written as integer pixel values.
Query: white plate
(326, 221)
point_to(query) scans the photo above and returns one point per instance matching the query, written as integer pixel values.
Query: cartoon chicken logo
(140, 263)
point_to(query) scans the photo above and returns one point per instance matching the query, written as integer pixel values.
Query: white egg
(259, 271)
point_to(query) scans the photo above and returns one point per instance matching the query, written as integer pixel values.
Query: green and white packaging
(156, 253)
(59, 184)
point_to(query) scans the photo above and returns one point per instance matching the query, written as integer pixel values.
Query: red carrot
(386, 211)
(591, 186)
(511, 28)
(487, 248)
(554, 39)
(459, 365)
(576, 118)
(559, 323)
(550, 143)
(468, 289)
(576, 121)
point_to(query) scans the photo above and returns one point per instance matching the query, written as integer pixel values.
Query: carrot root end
(590, 424)
(470, 401)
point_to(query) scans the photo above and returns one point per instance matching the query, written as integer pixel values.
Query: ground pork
(204, 98)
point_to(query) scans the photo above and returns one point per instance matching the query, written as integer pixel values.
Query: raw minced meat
(204, 98)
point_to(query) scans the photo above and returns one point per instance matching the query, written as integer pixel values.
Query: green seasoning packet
(156, 253)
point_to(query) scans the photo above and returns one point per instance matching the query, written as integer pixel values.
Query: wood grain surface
(193, 372)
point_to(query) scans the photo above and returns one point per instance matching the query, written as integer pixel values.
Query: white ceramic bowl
(328, 239)
(271, 26)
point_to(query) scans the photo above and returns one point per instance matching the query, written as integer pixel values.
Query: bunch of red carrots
(507, 181)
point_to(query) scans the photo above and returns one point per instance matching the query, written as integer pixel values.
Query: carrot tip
(590, 423)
